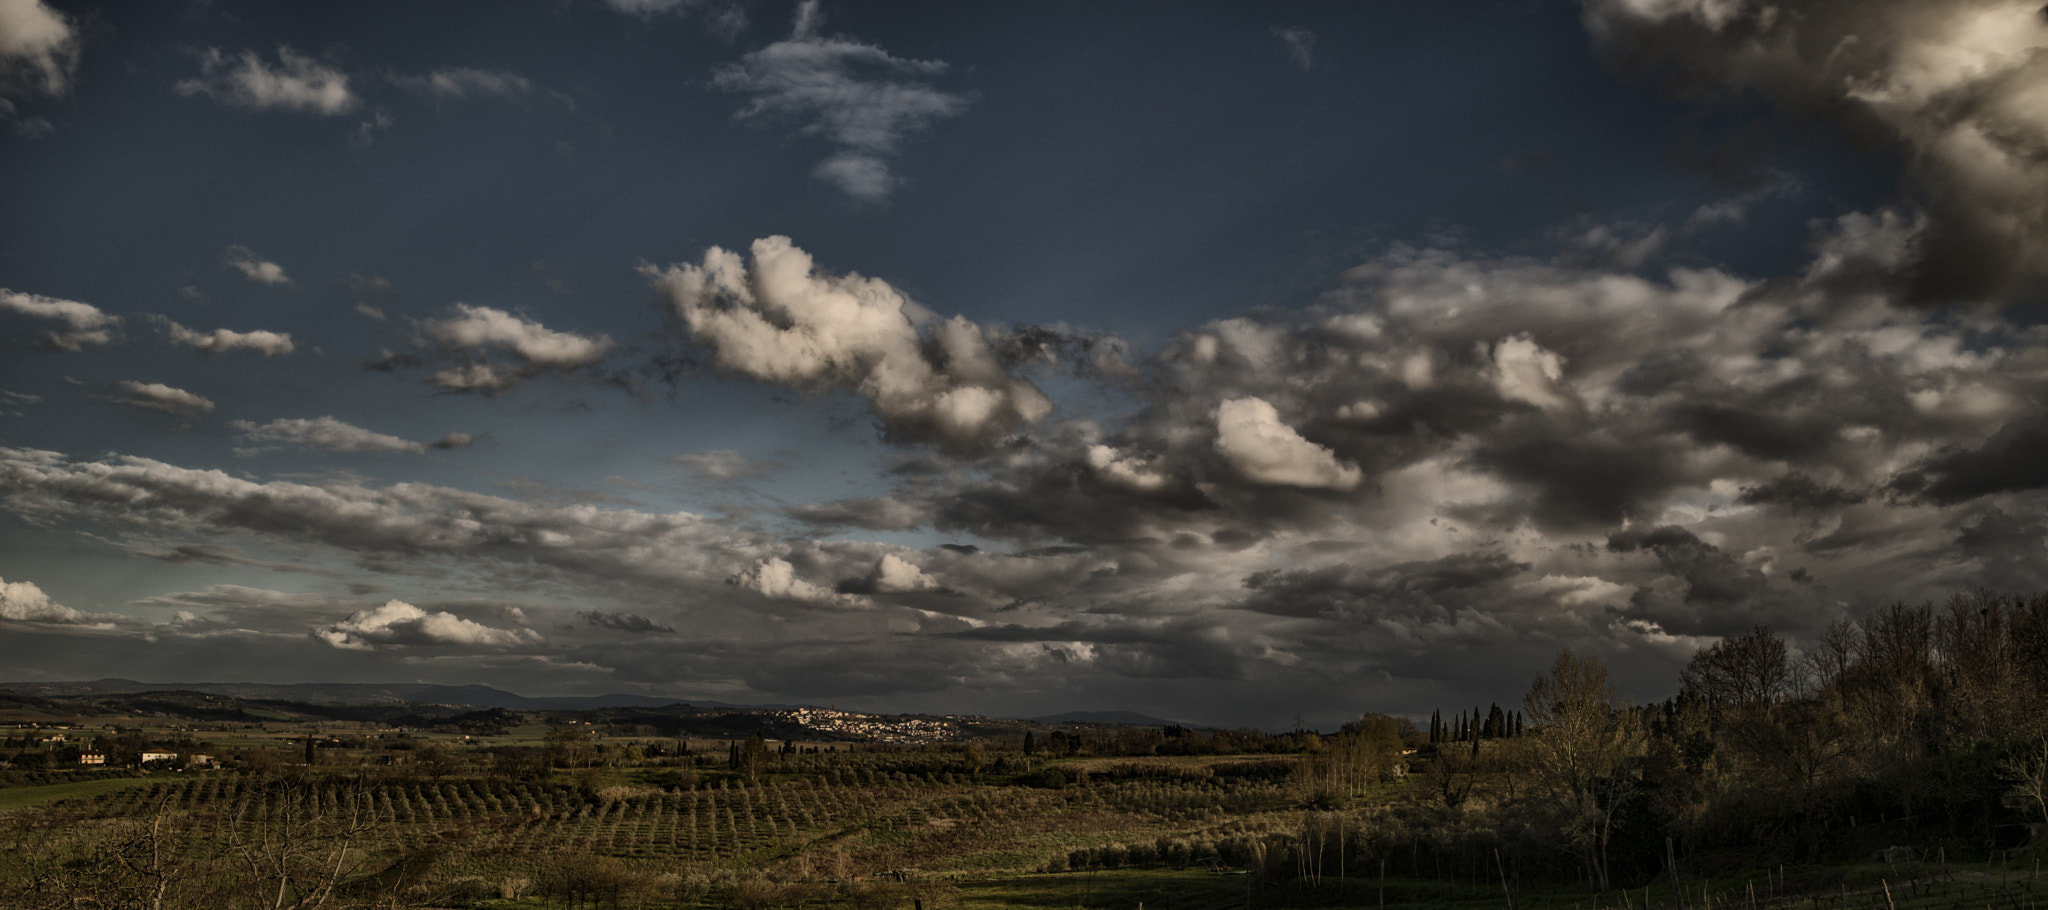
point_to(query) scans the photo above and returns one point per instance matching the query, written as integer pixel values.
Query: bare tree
(2027, 770)
(81, 863)
(296, 841)
(1586, 737)
(1742, 672)
(1833, 653)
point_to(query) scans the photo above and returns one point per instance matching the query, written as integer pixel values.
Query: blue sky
(1228, 362)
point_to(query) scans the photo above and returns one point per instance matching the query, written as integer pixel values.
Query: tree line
(1919, 725)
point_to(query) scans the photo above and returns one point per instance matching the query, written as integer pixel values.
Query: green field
(25, 797)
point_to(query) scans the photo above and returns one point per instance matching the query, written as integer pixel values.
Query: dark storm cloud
(1587, 481)
(2010, 551)
(871, 513)
(1352, 592)
(239, 608)
(1795, 490)
(2014, 459)
(1711, 576)
(1169, 649)
(214, 554)
(620, 621)
(1953, 84)
(1757, 430)
(198, 553)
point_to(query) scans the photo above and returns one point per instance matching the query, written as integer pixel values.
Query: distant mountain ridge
(472, 696)
(1120, 718)
(370, 694)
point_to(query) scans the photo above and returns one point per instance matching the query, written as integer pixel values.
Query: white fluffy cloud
(159, 397)
(855, 96)
(776, 578)
(477, 330)
(783, 321)
(1525, 372)
(533, 343)
(297, 83)
(261, 341)
(895, 575)
(83, 323)
(331, 435)
(38, 49)
(22, 601)
(1259, 445)
(398, 623)
(1126, 471)
(255, 268)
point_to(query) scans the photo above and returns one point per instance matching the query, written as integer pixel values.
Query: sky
(1240, 364)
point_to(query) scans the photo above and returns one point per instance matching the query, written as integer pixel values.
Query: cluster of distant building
(146, 759)
(192, 760)
(870, 727)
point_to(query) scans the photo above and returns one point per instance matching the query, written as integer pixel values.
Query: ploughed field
(852, 830)
(837, 828)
